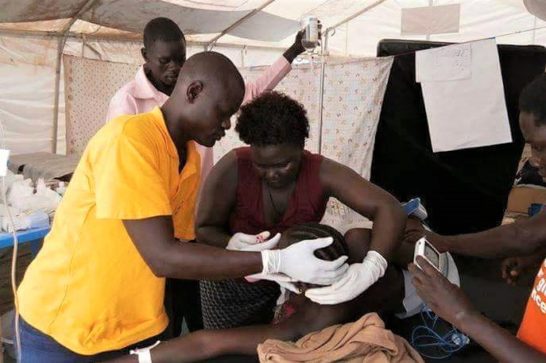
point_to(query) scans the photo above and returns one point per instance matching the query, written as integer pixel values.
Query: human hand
(299, 262)
(252, 243)
(438, 241)
(444, 298)
(358, 278)
(513, 267)
(297, 47)
(280, 278)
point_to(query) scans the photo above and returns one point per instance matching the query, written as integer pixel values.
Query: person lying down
(297, 315)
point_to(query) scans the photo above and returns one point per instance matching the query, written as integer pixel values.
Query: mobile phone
(425, 249)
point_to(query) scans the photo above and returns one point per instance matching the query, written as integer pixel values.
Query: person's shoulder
(139, 126)
(331, 171)
(241, 153)
(125, 92)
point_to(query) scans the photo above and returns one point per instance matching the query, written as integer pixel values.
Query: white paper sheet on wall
(468, 112)
(444, 63)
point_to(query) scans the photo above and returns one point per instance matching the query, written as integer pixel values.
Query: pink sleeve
(268, 80)
(122, 103)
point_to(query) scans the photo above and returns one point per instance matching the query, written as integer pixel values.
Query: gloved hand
(299, 262)
(279, 278)
(252, 243)
(359, 277)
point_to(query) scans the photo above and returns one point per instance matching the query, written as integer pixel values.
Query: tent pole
(211, 43)
(122, 39)
(324, 52)
(60, 47)
(430, 3)
(534, 30)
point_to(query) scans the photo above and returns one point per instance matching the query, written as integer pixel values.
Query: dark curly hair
(272, 119)
(533, 99)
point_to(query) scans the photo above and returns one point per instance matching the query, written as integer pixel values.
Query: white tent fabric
(250, 32)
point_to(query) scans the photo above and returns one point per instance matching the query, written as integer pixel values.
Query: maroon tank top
(306, 205)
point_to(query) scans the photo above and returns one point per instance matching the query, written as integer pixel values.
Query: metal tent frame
(63, 35)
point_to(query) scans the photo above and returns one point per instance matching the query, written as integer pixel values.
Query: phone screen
(432, 256)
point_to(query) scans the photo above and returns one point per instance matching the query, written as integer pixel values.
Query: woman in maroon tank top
(270, 186)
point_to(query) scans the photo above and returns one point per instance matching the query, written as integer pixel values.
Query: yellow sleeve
(128, 182)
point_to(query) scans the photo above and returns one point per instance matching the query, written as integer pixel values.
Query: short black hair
(313, 230)
(272, 119)
(162, 29)
(533, 99)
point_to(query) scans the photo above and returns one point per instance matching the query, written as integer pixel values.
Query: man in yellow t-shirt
(97, 286)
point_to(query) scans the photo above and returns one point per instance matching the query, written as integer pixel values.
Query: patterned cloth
(89, 85)
(233, 303)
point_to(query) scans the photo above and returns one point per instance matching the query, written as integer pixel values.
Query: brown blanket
(365, 340)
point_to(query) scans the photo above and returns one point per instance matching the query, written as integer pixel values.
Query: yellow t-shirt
(89, 288)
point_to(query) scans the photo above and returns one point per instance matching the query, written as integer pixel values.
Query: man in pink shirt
(164, 53)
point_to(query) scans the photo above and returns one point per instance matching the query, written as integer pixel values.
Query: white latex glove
(359, 277)
(279, 278)
(252, 243)
(299, 262)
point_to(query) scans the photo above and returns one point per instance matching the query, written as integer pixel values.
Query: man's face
(277, 165)
(212, 114)
(535, 135)
(164, 60)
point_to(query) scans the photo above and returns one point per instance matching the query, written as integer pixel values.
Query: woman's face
(277, 165)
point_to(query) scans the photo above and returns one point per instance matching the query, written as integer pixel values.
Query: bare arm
(517, 239)
(207, 344)
(451, 304)
(218, 200)
(271, 77)
(167, 257)
(500, 343)
(370, 201)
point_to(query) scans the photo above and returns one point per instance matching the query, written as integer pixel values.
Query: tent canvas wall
(35, 34)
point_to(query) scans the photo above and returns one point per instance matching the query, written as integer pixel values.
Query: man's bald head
(213, 67)
(208, 92)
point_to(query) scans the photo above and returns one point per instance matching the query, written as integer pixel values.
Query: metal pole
(60, 47)
(324, 52)
(534, 31)
(430, 3)
(62, 41)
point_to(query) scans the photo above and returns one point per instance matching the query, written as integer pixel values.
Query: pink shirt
(140, 95)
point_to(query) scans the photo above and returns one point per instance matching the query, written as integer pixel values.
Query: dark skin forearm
(451, 304)
(207, 344)
(388, 225)
(168, 257)
(518, 239)
(291, 53)
(497, 341)
(213, 235)
(295, 49)
(389, 219)
(214, 211)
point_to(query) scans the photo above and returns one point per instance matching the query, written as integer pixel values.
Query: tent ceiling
(273, 26)
(132, 16)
